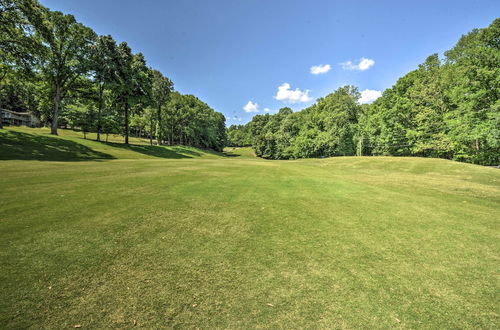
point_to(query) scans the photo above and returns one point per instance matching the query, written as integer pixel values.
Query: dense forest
(68, 76)
(447, 108)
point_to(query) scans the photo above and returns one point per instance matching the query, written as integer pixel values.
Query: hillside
(37, 144)
(104, 236)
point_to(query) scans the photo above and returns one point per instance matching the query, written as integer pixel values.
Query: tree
(161, 88)
(327, 128)
(66, 52)
(133, 81)
(18, 51)
(82, 116)
(239, 136)
(63, 73)
(190, 121)
(149, 117)
(474, 72)
(17, 43)
(102, 53)
(110, 124)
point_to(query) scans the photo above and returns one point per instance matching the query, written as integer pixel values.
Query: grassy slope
(240, 242)
(38, 144)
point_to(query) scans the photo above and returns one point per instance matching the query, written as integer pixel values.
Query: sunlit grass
(38, 144)
(232, 241)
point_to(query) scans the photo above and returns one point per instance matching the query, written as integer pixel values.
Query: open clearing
(103, 235)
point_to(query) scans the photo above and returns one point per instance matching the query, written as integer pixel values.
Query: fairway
(171, 237)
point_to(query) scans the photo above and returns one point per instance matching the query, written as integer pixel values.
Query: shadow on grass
(156, 151)
(24, 146)
(230, 154)
(16, 145)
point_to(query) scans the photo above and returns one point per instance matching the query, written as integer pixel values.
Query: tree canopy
(446, 108)
(63, 72)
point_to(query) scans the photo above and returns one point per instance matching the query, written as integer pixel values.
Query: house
(15, 118)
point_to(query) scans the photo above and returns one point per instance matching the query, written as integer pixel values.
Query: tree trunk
(55, 115)
(158, 134)
(360, 146)
(126, 122)
(151, 131)
(107, 137)
(99, 110)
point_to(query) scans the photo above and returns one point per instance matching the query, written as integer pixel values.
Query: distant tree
(149, 123)
(110, 125)
(327, 128)
(239, 136)
(189, 121)
(133, 81)
(161, 88)
(81, 116)
(103, 52)
(139, 124)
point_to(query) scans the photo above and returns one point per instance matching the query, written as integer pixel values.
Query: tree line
(62, 71)
(447, 108)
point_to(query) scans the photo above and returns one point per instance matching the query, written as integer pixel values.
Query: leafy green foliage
(160, 91)
(63, 72)
(102, 59)
(66, 52)
(448, 109)
(239, 136)
(325, 129)
(192, 122)
(51, 65)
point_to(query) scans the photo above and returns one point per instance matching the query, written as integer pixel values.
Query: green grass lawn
(107, 236)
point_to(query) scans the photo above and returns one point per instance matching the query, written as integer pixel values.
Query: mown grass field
(108, 236)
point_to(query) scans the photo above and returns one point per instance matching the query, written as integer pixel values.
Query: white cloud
(319, 69)
(237, 118)
(286, 94)
(267, 110)
(251, 107)
(363, 64)
(369, 95)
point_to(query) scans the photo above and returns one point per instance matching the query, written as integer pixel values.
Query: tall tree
(133, 82)
(18, 49)
(65, 56)
(160, 91)
(474, 119)
(17, 43)
(102, 53)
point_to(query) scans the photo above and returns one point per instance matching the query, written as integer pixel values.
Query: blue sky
(258, 54)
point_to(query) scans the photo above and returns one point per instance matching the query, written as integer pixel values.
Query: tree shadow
(24, 146)
(156, 151)
(230, 154)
